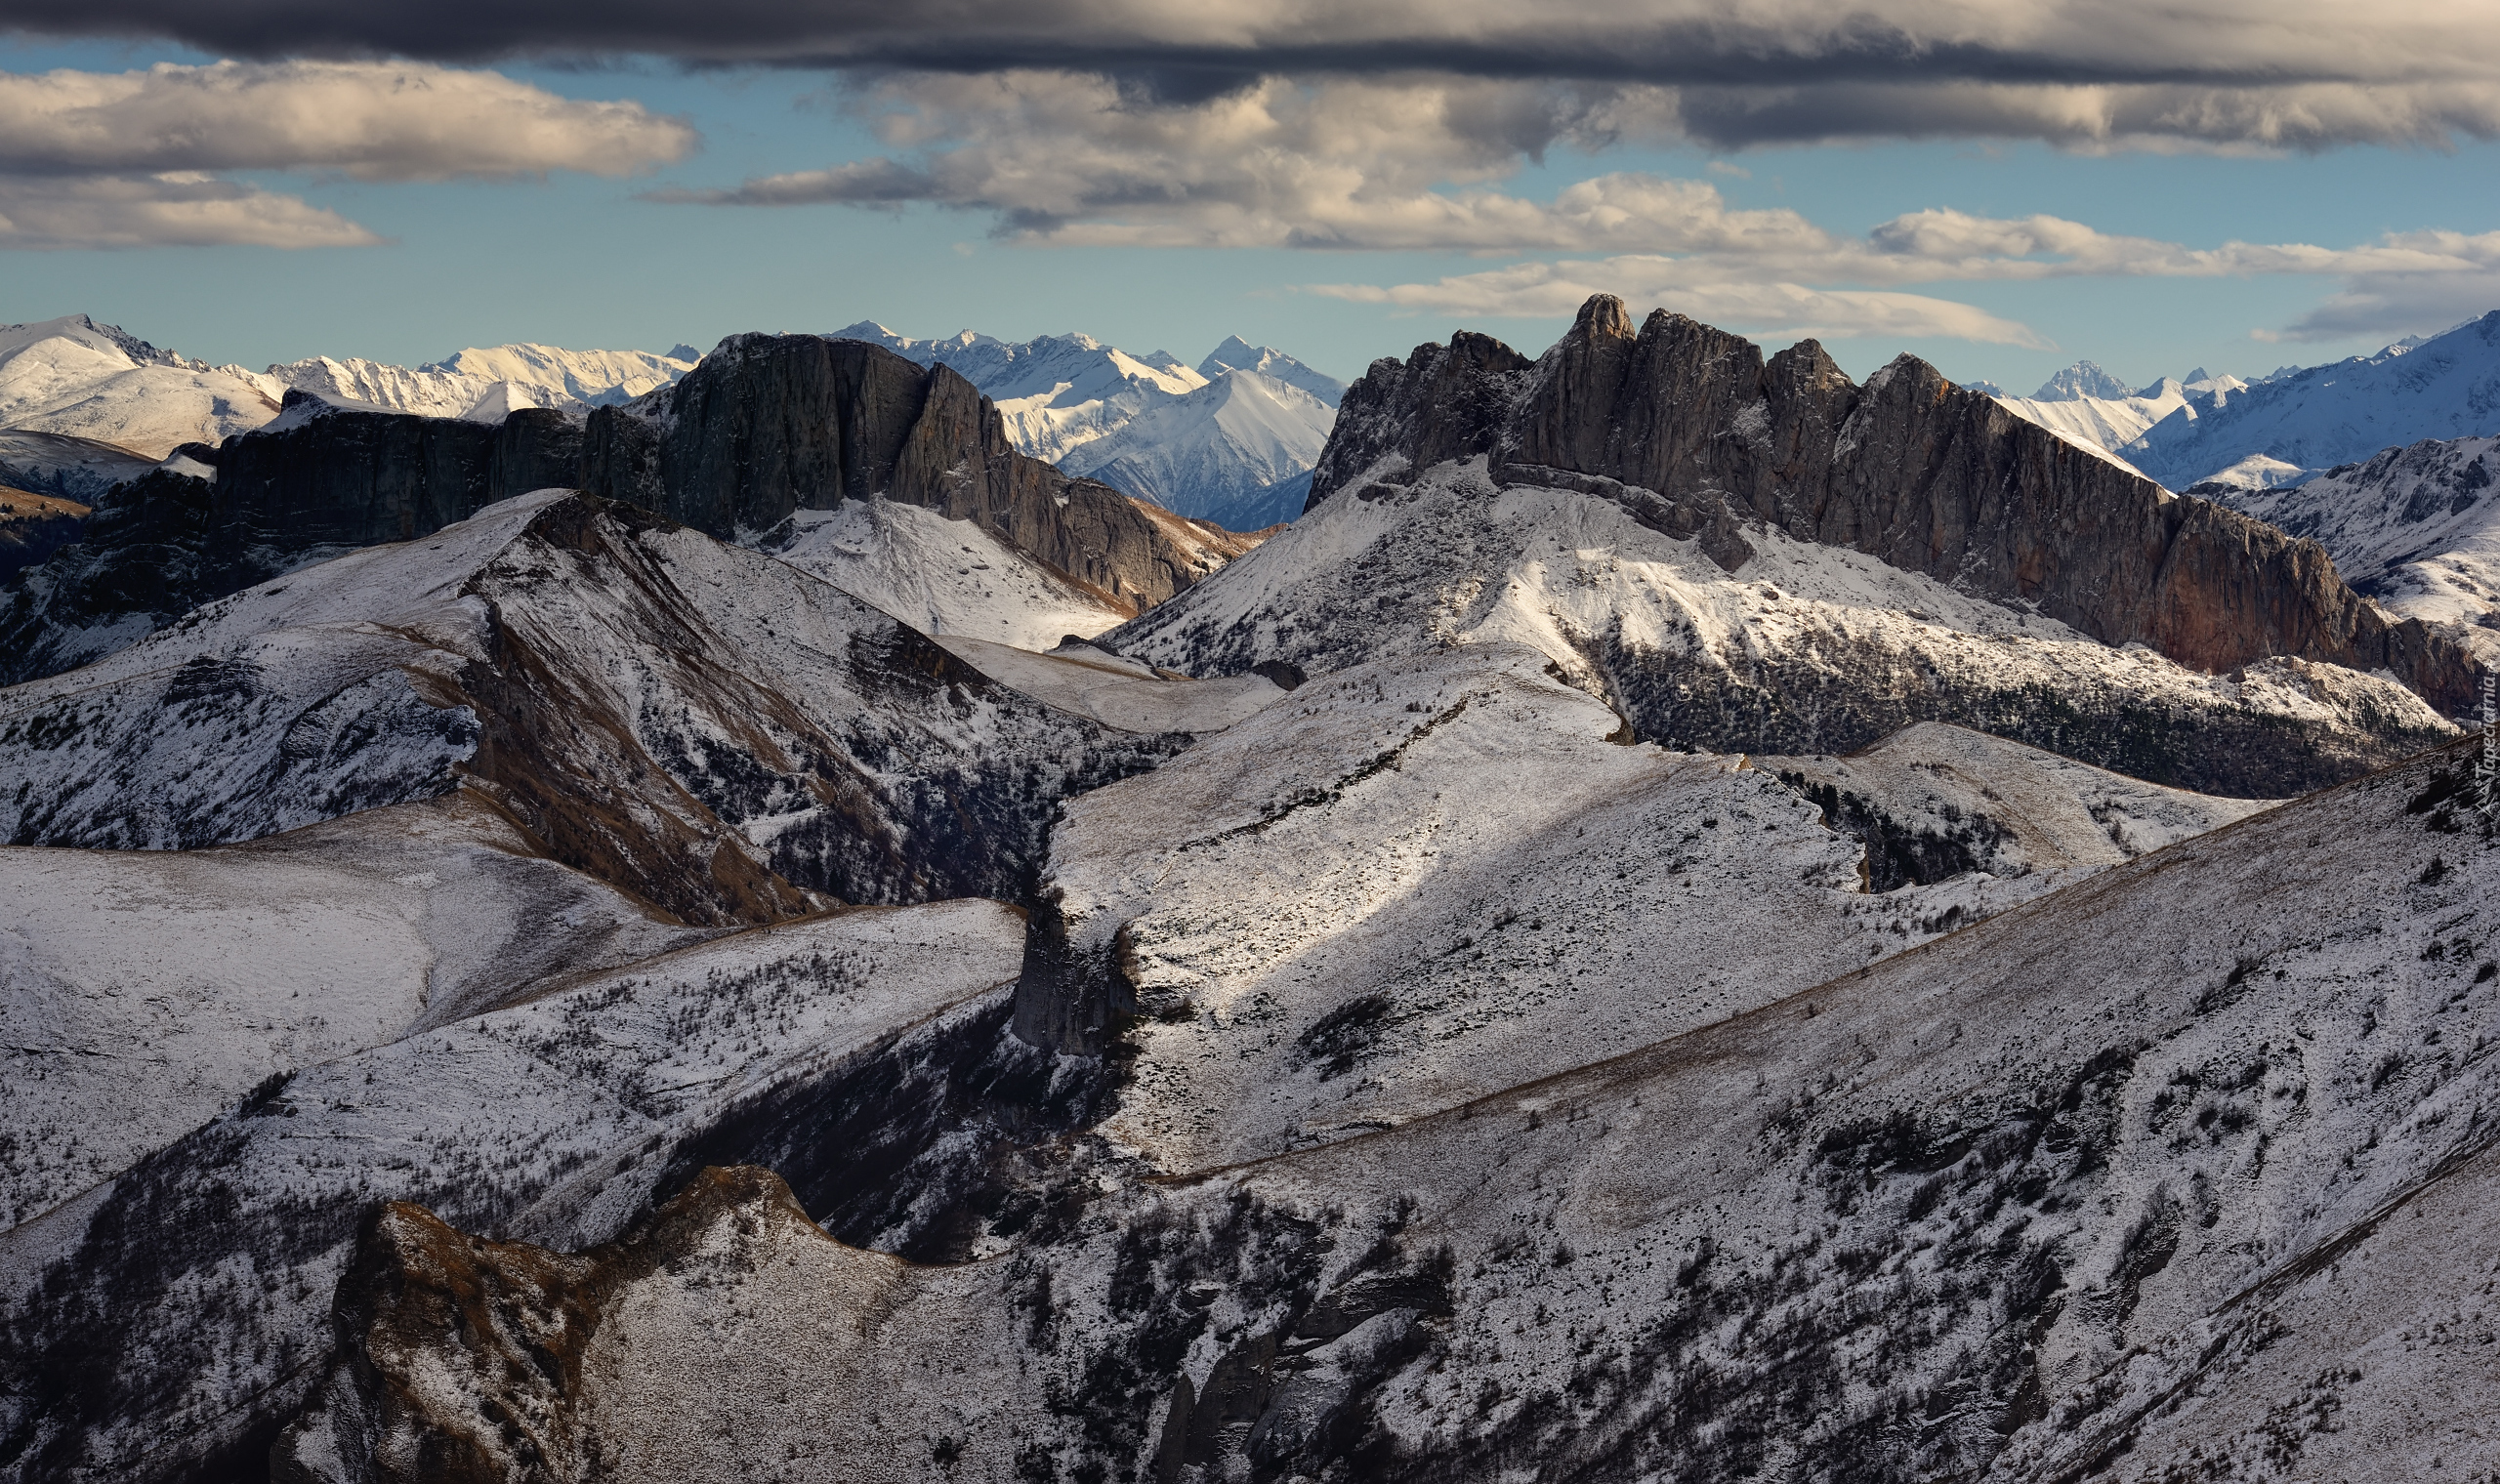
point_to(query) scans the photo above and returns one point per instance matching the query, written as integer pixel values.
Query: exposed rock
(772, 424)
(1911, 469)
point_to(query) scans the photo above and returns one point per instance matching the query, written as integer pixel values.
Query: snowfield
(149, 989)
(940, 576)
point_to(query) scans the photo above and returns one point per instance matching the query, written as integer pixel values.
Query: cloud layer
(129, 160)
(2090, 74)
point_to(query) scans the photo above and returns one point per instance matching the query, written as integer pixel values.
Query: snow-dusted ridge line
(1447, 556)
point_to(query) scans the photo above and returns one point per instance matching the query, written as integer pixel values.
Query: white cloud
(170, 210)
(1548, 290)
(374, 121)
(129, 160)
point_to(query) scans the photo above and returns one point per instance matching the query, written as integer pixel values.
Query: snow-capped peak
(2081, 380)
(1238, 354)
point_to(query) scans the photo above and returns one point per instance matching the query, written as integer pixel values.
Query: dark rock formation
(1911, 469)
(772, 424)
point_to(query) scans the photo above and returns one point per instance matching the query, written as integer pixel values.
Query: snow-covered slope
(145, 990)
(74, 376)
(1416, 882)
(1221, 453)
(2109, 419)
(2417, 528)
(1800, 647)
(489, 383)
(2182, 1172)
(940, 576)
(1120, 693)
(178, 1302)
(713, 730)
(1932, 801)
(2445, 387)
(1238, 354)
(74, 469)
(1057, 392)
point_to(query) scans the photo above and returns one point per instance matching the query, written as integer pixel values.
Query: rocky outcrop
(503, 1403)
(769, 425)
(1923, 475)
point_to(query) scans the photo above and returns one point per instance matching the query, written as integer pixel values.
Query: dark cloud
(1187, 53)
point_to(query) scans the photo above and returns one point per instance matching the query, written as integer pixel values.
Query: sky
(2000, 188)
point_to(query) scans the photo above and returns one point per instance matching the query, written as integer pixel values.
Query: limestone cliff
(1908, 467)
(769, 425)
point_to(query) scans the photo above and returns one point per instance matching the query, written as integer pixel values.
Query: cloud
(1548, 290)
(1809, 282)
(2276, 73)
(374, 121)
(170, 210)
(129, 160)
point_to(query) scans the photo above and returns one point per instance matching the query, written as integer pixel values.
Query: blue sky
(582, 259)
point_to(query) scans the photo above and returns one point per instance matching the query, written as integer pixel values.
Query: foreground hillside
(2089, 1188)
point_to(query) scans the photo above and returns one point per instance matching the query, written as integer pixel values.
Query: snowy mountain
(73, 376)
(1770, 559)
(1148, 426)
(1057, 392)
(1238, 354)
(754, 444)
(1238, 451)
(489, 385)
(710, 730)
(96, 382)
(2105, 423)
(2082, 379)
(2276, 430)
(1705, 920)
(2418, 528)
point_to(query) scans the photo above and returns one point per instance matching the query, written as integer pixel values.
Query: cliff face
(769, 425)
(1908, 467)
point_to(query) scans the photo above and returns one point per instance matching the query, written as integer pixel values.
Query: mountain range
(1228, 441)
(1689, 917)
(2290, 425)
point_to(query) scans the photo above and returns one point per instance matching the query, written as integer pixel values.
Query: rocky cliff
(769, 426)
(1700, 430)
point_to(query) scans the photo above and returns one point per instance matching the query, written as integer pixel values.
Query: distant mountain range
(1232, 441)
(2289, 426)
